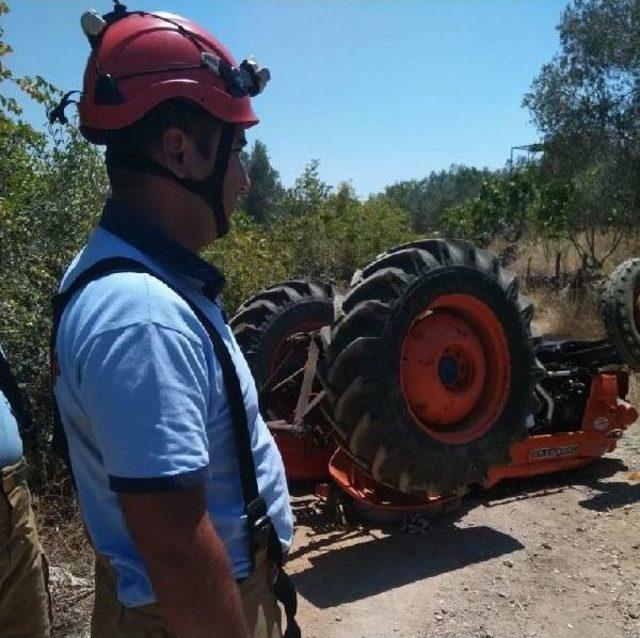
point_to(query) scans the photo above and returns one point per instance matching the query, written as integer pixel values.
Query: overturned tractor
(425, 378)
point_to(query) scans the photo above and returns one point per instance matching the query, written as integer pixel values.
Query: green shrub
(51, 193)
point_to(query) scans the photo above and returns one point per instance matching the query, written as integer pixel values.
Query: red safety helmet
(141, 59)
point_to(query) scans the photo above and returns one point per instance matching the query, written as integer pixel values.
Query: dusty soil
(551, 557)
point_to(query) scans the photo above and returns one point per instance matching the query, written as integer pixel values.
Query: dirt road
(553, 557)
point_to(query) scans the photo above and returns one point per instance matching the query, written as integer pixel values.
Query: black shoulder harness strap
(261, 530)
(255, 506)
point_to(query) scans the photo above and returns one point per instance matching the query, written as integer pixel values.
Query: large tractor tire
(428, 375)
(265, 327)
(264, 323)
(620, 310)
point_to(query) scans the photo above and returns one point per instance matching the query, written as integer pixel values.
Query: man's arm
(186, 561)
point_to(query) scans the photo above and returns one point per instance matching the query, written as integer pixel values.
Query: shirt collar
(125, 223)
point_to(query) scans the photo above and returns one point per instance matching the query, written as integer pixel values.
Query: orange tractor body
(605, 419)
(425, 379)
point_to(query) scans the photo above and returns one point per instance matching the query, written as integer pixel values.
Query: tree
(36, 87)
(51, 190)
(309, 192)
(503, 208)
(586, 103)
(427, 199)
(591, 85)
(266, 191)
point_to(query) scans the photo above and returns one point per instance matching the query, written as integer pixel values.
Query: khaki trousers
(24, 597)
(113, 620)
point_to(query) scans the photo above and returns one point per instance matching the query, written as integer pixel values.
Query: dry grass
(558, 314)
(62, 532)
(67, 548)
(540, 256)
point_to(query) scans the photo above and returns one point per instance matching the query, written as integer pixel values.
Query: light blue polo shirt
(10, 442)
(142, 398)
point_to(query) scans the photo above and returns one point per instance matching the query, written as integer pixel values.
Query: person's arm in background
(186, 562)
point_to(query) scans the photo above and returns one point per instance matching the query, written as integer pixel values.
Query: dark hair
(144, 136)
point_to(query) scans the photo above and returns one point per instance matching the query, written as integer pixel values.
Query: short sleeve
(145, 388)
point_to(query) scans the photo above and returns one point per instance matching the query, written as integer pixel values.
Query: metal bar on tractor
(279, 426)
(307, 382)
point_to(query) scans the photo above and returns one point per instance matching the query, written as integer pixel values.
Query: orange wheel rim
(455, 368)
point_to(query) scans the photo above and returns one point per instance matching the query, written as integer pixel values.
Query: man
(24, 599)
(150, 383)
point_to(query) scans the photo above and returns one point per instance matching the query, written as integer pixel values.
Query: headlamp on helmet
(250, 79)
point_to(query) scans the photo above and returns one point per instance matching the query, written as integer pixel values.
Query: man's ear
(174, 151)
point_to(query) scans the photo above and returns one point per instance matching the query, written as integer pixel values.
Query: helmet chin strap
(209, 189)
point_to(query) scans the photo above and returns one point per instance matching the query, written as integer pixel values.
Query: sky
(378, 90)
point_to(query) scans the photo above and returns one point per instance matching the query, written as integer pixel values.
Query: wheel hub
(454, 368)
(448, 369)
(444, 368)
